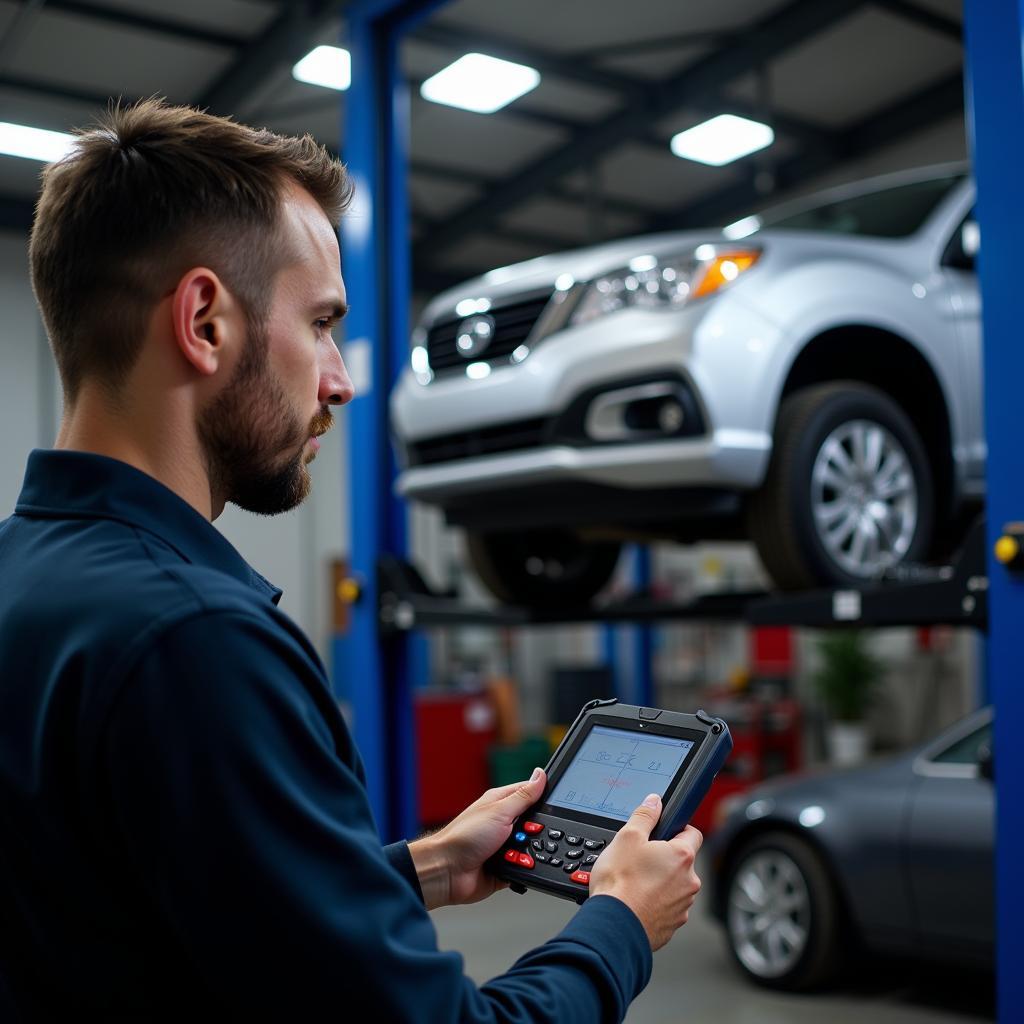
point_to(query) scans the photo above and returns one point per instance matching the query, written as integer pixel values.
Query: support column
(994, 33)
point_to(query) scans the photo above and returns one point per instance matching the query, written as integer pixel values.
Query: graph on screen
(614, 769)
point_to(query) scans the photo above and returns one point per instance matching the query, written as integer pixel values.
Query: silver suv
(809, 379)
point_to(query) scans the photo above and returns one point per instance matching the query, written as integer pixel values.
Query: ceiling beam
(573, 69)
(931, 105)
(769, 37)
(926, 18)
(63, 93)
(287, 38)
(124, 17)
(543, 241)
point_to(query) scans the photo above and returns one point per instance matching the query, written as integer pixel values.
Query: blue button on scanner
(520, 837)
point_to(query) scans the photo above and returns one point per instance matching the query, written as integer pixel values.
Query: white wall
(293, 550)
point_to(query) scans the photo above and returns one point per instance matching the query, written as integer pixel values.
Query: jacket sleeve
(233, 790)
(399, 857)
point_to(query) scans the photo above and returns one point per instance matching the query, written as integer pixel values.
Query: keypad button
(542, 857)
(555, 861)
(512, 856)
(554, 833)
(570, 865)
(520, 837)
(550, 846)
(582, 877)
(525, 860)
(591, 858)
(594, 844)
(537, 844)
(532, 827)
(573, 840)
(573, 854)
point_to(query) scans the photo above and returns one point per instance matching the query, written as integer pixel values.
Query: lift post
(376, 267)
(994, 34)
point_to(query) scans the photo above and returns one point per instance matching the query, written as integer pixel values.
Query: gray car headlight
(665, 282)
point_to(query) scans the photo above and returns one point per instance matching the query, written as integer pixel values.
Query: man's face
(259, 433)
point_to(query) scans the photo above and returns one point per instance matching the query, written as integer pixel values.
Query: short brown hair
(149, 191)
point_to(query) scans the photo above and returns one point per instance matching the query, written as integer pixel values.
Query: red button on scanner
(525, 860)
(531, 827)
(583, 877)
(512, 856)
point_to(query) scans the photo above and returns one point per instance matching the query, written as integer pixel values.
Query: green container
(516, 764)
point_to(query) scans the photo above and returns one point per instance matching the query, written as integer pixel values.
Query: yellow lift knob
(349, 590)
(1007, 549)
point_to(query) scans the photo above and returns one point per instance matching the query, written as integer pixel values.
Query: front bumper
(727, 458)
(722, 351)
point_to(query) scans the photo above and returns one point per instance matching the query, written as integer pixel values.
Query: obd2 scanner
(611, 757)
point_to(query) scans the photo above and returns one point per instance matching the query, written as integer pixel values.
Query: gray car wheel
(542, 568)
(782, 914)
(848, 492)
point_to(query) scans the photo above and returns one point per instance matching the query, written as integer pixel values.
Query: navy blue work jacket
(184, 827)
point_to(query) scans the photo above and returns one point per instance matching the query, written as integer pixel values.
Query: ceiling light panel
(480, 83)
(327, 66)
(722, 140)
(34, 143)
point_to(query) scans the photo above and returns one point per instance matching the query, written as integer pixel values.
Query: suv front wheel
(542, 568)
(848, 492)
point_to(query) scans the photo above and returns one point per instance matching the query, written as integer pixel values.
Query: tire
(541, 569)
(848, 491)
(783, 917)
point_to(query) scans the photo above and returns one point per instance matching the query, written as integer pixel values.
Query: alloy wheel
(864, 498)
(769, 914)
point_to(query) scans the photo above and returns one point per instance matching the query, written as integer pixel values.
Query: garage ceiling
(851, 87)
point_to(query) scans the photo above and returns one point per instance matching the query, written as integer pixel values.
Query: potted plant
(846, 677)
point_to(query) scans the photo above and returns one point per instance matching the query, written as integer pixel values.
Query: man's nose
(335, 384)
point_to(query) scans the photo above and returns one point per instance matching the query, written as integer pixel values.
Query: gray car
(808, 379)
(897, 857)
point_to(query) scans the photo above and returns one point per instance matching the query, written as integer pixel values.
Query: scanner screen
(614, 769)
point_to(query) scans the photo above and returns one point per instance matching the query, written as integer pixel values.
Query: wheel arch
(766, 826)
(892, 364)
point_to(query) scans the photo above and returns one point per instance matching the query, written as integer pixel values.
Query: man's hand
(654, 878)
(449, 863)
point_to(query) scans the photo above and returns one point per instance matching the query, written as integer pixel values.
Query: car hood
(883, 773)
(581, 264)
(584, 264)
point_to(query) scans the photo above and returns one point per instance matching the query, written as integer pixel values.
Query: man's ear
(200, 312)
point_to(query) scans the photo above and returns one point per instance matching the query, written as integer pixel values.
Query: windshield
(891, 213)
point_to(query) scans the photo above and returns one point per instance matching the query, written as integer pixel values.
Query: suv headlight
(662, 282)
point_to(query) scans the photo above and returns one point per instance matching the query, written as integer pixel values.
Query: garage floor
(695, 983)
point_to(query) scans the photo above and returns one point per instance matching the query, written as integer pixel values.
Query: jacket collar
(81, 485)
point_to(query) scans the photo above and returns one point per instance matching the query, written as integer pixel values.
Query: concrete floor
(695, 982)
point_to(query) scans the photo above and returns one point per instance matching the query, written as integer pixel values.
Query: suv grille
(512, 325)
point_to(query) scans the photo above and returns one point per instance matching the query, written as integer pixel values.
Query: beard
(254, 442)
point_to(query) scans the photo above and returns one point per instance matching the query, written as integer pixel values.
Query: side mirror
(986, 763)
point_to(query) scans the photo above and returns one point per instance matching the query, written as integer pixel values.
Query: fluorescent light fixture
(722, 139)
(34, 143)
(741, 228)
(329, 66)
(480, 83)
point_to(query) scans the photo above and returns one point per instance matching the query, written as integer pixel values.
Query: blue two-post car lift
(377, 674)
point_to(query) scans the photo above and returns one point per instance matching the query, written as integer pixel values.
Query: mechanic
(184, 826)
